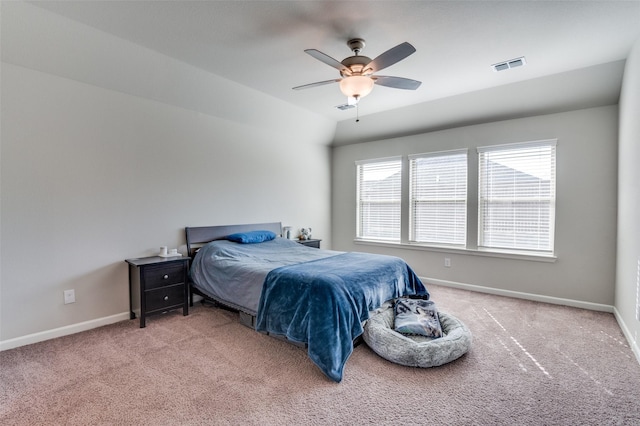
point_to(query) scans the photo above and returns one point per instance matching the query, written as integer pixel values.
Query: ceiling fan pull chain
(357, 113)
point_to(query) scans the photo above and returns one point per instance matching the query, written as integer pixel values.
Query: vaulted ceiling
(260, 44)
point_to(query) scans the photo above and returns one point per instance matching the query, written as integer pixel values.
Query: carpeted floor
(530, 364)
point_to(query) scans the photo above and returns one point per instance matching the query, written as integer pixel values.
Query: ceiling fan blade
(328, 60)
(317, 83)
(390, 57)
(396, 82)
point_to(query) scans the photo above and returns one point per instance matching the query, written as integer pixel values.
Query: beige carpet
(530, 364)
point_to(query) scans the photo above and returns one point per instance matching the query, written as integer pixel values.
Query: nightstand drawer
(164, 275)
(164, 298)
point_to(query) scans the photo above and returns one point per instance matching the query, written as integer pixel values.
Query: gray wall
(585, 212)
(109, 150)
(628, 262)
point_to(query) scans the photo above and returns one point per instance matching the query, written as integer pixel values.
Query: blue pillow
(251, 237)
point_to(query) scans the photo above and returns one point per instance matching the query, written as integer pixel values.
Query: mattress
(234, 273)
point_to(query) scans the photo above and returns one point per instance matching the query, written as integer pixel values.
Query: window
(379, 199)
(438, 198)
(517, 190)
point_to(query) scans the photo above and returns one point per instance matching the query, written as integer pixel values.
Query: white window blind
(438, 198)
(517, 196)
(379, 198)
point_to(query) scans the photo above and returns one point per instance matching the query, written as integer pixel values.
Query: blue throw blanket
(323, 302)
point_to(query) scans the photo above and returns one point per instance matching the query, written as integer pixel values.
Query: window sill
(504, 254)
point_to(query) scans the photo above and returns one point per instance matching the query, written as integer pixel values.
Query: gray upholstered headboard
(197, 236)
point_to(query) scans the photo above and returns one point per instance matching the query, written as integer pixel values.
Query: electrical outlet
(447, 262)
(69, 296)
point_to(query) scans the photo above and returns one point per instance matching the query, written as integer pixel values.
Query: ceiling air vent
(511, 63)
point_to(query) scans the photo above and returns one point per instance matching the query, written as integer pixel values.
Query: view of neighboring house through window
(438, 198)
(517, 191)
(379, 199)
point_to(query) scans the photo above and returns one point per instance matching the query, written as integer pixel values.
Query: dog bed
(416, 351)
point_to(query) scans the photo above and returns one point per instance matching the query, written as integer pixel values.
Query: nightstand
(157, 285)
(310, 243)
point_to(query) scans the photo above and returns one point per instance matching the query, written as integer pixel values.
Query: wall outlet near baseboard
(69, 296)
(447, 262)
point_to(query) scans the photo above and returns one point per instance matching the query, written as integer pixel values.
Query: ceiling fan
(357, 71)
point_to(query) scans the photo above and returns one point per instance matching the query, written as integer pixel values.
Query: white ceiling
(260, 44)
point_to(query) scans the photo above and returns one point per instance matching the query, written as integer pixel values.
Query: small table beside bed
(316, 297)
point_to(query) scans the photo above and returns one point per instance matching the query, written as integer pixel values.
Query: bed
(319, 298)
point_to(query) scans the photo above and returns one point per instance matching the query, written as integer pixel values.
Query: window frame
(359, 203)
(473, 210)
(483, 245)
(414, 201)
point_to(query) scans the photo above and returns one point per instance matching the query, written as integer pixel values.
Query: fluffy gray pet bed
(416, 351)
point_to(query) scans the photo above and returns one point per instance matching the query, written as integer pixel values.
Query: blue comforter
(323, 302)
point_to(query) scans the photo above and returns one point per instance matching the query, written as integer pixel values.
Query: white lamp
(356, 86)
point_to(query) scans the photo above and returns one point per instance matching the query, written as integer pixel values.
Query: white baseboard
(88, 325)
(61, 331)
(625, 330)
(521, 295)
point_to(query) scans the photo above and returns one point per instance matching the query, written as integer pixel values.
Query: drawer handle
(166, 298)
(166, 277)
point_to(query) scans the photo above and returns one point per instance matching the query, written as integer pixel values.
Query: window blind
(438, 198)
(517, 196)
(379, 198)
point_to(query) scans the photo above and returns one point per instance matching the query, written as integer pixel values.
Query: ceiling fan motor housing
(356, 64)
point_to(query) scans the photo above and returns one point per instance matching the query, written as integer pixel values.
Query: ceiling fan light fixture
(356, 86)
